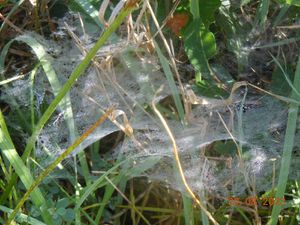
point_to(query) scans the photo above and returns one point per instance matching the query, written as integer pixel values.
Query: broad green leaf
(207, 10)
(199, 42)
(162, 10)
(293, 2)
(69, 216)
(290, 2)
(62, 203)
(199, 45)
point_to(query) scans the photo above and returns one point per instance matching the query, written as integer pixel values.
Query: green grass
(49, 169)
(23, 172)
(6, 142)
(94, 199)
(288, 146)
(169, 75)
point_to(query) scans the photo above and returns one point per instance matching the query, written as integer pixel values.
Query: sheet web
(129, 81)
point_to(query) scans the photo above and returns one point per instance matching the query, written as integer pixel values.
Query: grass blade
(287, 147)
(9, 151)
(262, 13)
(89, 9)
(45, 62)
(39, 179)
(77, 72)
(169, 75)
(22, 218)
(65, 103)
(286, 76)
(188, 211)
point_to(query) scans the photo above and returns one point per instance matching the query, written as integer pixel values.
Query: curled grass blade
(45, 61)
(74, 75)
(77, 72)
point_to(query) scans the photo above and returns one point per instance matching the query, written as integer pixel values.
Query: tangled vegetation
(149, 112)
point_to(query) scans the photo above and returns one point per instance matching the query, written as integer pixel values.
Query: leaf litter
(125, 76)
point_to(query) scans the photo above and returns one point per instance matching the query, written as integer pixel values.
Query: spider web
(129, 79)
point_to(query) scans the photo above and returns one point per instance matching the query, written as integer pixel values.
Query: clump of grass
(92, 207)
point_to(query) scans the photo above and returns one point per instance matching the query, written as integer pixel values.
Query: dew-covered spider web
(126, 77)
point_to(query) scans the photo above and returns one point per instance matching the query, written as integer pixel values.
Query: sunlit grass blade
(33, 187)
(21, 218)
(89, 9)
(169, 75)
(44, 60)
(77, 72)
(31, 81)
(9, 151)
(287, 147)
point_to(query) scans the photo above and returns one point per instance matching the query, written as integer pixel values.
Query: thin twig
(177, 159)
(8, 22)
(289, 27)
